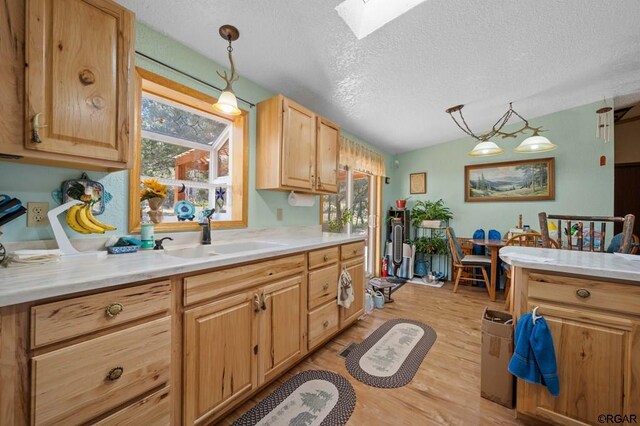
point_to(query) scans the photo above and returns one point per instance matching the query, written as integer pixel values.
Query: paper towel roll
(301, 200)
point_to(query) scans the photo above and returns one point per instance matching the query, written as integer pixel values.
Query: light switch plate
(279, 214)
(37, 214)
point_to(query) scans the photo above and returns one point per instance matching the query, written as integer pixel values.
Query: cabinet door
(327, 156)
(219, 345)
(79, 56)
(356, 270)
(298, 146)
(282, 327)
(591, 367)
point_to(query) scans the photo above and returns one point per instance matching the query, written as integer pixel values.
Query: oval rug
(309, 398)
(390, 356)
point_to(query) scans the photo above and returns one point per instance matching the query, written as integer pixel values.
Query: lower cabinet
(356, 271)
(239, 342)
(595, 326)
(219, 347)
(282, 327)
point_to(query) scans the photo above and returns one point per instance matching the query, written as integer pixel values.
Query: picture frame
(523, 180)
(418, 183)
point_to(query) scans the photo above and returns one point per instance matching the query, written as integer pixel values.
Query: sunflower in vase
(155, 193)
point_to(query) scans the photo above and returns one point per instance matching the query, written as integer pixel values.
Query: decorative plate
(74, 189)
(185, 210)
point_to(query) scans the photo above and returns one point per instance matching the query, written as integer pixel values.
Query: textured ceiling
(392, 87)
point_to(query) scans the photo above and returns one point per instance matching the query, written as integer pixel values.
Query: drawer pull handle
(326, 257)
(325, 286)
(256, 303)
(115, 374)
(325, 324)
(114, 309)
(355, 251)
(583, 293)
(263, 303)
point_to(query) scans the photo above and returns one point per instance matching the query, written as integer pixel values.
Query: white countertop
(26, 283)
(601, 265)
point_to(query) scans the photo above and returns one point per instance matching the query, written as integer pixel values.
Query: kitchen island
(591, 302)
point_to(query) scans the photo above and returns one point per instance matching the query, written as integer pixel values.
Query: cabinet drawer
(324, 257)
(72, 385)
(349, 251)
(323, 322)
(587, 293)
(57, 321)
(154, 410)
(323, 285)
(207, 286)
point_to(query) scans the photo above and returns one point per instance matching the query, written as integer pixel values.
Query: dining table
(494, 247)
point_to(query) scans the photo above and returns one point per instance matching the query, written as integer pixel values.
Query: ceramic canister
(146, 235)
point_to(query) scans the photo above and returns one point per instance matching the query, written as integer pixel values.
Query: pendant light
(485, 149)
(535, 143)
(227, 102)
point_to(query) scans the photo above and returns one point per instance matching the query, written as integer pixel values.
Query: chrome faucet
(206, 228)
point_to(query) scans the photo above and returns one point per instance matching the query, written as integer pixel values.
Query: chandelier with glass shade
(486, 147)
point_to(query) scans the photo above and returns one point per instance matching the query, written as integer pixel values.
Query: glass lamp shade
(227, 103)
(485, 149)
(534, 144)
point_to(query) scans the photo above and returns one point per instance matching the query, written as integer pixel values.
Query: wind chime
(603, 128)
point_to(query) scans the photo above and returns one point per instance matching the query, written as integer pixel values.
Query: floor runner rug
(391, 355)
(310, 398)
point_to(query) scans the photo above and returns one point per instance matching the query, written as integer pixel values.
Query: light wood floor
(446, 388)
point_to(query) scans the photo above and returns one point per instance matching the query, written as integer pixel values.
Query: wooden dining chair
(528, 239)
(460, 262)
(596, 242)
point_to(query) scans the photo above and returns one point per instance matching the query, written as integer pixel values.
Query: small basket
(122, 249)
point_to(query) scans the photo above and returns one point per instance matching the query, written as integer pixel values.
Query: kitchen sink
(230, 248)
(191, 252)
(198, 251)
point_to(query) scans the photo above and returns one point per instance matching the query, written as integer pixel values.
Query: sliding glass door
(356, 194)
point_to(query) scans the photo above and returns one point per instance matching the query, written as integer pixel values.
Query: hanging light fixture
(485, 147)
(227, 102)
(603, 125)
(533, 144)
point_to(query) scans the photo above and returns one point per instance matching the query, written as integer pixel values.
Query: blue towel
(534, 358)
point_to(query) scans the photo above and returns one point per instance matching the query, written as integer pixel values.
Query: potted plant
(430, 214)
(337, 225)
(422, 248)
(402, 203)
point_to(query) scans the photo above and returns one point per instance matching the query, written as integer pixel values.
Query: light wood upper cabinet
(79, 83)
(282, 327)
(296, 148)
(219, 359)
(327, 151)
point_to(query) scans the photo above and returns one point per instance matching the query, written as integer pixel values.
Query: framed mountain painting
(525, 180)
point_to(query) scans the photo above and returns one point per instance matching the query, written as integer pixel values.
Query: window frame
(237, 135)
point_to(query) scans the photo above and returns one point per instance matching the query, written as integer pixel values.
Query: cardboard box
(496, 383)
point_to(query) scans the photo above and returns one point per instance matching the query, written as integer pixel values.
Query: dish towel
(534, 357)
(345, 289)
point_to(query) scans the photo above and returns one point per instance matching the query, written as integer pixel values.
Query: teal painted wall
(35, 183)
(582, 186)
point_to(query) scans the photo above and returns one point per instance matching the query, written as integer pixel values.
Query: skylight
(366, 16)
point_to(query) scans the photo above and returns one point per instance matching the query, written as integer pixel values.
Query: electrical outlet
(279, 214)
(37, 214)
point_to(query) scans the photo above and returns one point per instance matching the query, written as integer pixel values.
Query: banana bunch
(80, 218)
